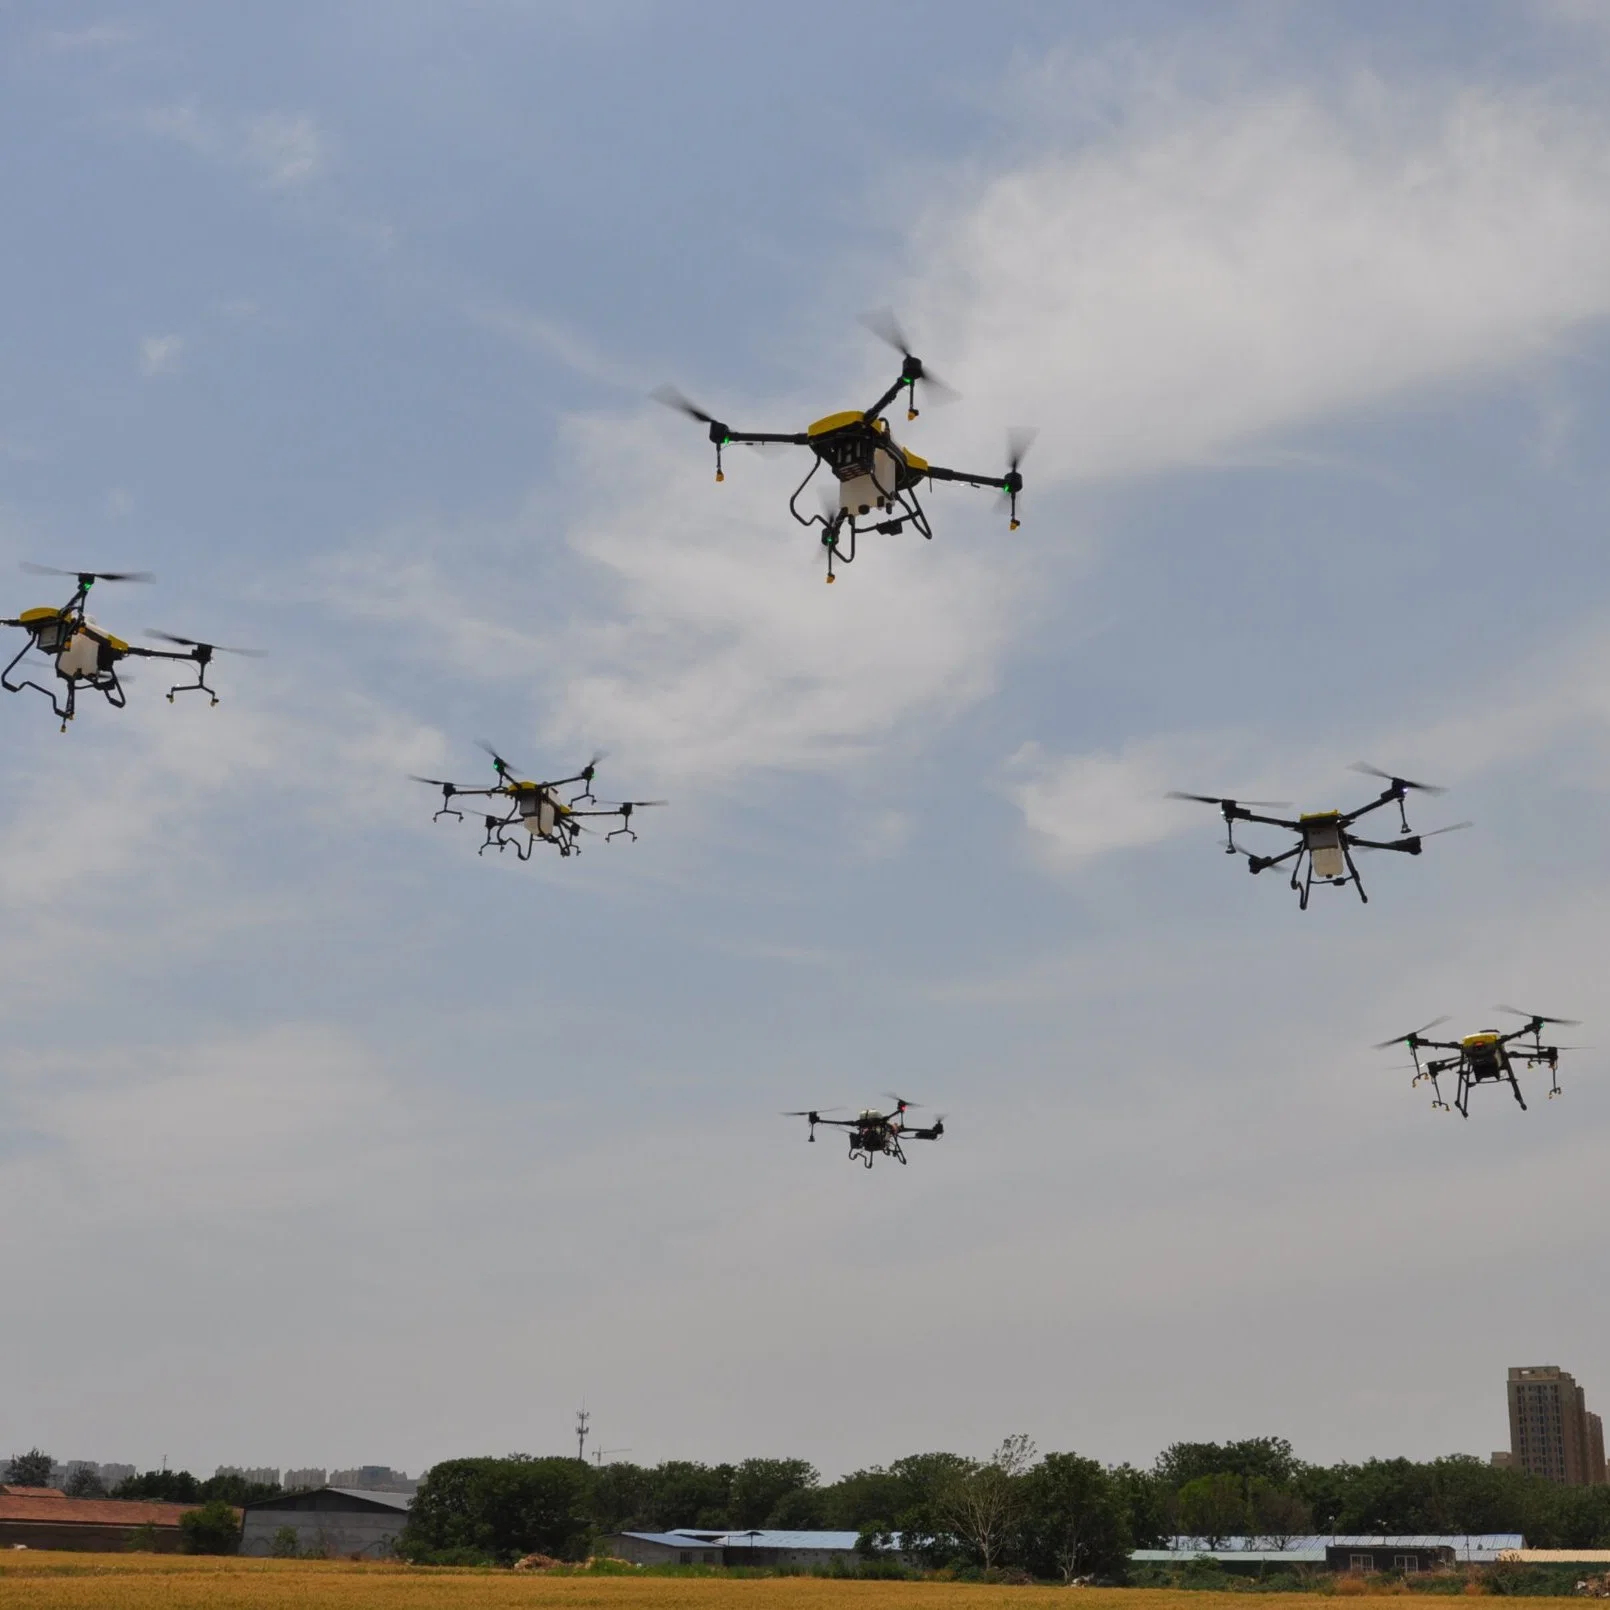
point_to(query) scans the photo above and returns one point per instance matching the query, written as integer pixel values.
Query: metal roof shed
(351, 1522)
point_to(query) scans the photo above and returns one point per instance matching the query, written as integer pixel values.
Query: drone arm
(936, 472)
(1408, 846)
(1235, 813)
(150, 653)
(786, 438)
(888, 397)
(922, 1134)
(1262, 861)
(1388, 796)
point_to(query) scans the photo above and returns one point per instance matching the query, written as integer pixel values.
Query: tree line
(1059, 1516)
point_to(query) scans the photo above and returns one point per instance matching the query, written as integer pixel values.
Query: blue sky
(327, 1142)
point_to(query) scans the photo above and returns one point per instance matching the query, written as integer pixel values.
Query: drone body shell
(1322, 834)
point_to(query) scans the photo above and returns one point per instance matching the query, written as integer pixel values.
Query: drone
(536, 807)
(874, 1133)
(1484, 1058)
(86, 655)
(877, 478)
(1325, 843)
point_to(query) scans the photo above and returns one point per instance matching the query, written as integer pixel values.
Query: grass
(37, 1580)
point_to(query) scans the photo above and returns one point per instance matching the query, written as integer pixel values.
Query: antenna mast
(582, 1417)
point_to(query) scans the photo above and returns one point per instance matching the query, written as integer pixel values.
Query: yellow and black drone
(536, 807)
(86, 655)
(873, 1133)
(1325, 843)
(1485, 1058)
(877, 478)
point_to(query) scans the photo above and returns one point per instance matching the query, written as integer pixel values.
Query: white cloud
(1082, 806)
(159, 354)
(94, 36)
(1185, 287)
(284, 148)
(281, 149)
(1208, 275)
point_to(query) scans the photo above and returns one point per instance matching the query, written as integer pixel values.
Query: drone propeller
(886, 327)
(1018, 442)
(502, 767)
(1398, 782)
(899, 1100)
(1413, 1034)
(1208, 799)
(1453, 827)
(85, 577)
(435, 782)
(1537, 1017)
(210, 648)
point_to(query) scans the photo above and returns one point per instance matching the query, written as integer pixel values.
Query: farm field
(46, 1581)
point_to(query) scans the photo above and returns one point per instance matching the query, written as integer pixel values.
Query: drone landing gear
(198, 686)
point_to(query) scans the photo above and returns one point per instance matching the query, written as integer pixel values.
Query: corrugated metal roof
(399, 1501)
(762, 1539)
(392, 1500)
(1454, 1540)
(1559, 1556)
(674, 1540)
(1244, 1556)
(61, 1511)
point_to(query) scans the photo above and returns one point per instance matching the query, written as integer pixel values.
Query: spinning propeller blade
(211, 648)
(88, 575)
(1402, 782)
(1208, 799)
(683, 404)
(1412, 1035)
(1018, 442)
(1537, 1017)
(503, 767)
(886, 327)
(889, 1095)
(435, 782)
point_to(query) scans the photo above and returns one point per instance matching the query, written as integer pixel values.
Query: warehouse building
(336, 1522)
(46, 1518)
(1365, 1554)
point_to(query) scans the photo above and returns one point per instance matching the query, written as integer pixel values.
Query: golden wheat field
(36, 1580)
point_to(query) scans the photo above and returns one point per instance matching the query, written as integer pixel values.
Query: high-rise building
(1551, 1432)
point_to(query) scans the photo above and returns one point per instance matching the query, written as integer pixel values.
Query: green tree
(1146, 1505)
(212, 1529)
(172, 1486)
(984, 1502)
(921, 1483)
(804, 1509)
(618, 1497)
(862, 1497)
(685, 1493)
(31, 1469)
(234, 1489)
(500, 1507)
(286, 1544)
(1277, 1514)
(760, 1485)
(1074, 1520)
(1269, 1457)
(84, 1481)
(1212, 1508)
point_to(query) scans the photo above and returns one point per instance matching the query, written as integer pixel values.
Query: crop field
(45, 1581)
